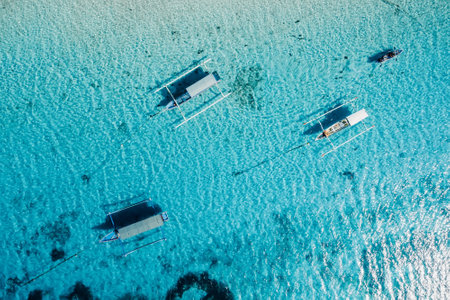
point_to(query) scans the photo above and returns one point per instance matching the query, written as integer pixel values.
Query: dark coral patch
(95, 85)
(348, 174)
(124, 129)
(246, 84)
(213, 288)
(130, 296)
(80, 292)
(35, 295)
(57, 254)
(58, 231)
(85, 178)
(12, 283)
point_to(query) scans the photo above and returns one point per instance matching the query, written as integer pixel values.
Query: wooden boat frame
(335, 147)
(187, 119)
(115, 234)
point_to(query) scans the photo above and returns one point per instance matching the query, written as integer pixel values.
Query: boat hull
(336, 127)
(180, 100)
(389, 56)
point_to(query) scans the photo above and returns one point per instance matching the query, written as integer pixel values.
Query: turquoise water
(370, 220)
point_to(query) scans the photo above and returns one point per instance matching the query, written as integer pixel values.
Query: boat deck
(140, 227)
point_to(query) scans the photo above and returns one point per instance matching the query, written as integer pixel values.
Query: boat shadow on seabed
(376, 57)
(337, 115)
(179, 87)
(132, 215)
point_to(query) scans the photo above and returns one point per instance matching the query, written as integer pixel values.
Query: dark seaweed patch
(59, 231)
(213, 288)
(85, 178)
(214, 262)
(348, 175)
(167, 267)
(57, 254)
(398, 9)
(95, 85)
(80, 292)
(246, 83)
(298, 37)
(124, 129)
(285, 231)
(12, 283)
(130, 296)
(35, 295)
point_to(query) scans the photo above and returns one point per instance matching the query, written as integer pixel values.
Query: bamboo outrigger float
(349, 121)
(134, 224)
(195, 89)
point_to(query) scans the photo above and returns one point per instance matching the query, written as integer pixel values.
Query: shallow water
(264, 222)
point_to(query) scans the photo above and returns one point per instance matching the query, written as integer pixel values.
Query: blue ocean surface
(255, 211)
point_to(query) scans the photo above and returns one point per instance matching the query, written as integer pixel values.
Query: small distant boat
(389, 55)
(351, 120)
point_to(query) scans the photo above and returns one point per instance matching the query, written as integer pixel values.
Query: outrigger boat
(195, 89)
(389, 55)
(129, 222)
(349, 121)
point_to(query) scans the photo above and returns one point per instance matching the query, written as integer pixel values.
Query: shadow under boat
(133, 214)
(376, 57)
(336, 116)
(135, 220)
(178, 88)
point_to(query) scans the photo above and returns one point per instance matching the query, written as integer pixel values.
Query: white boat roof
(357, 117)
(140, 227)
(201, 85)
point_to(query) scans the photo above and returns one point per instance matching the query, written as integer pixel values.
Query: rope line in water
(51, 269)
(270, 159)
(115, 153)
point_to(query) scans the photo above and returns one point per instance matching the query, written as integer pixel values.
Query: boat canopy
(203, 84)
(140, 227)
(357, 117)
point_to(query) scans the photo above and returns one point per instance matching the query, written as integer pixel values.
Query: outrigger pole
(148, 244)
(326, 136)
(176, 103)
(331, 111)
(209, 106)
(182, 75)
(338, 146)
(205, 109)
